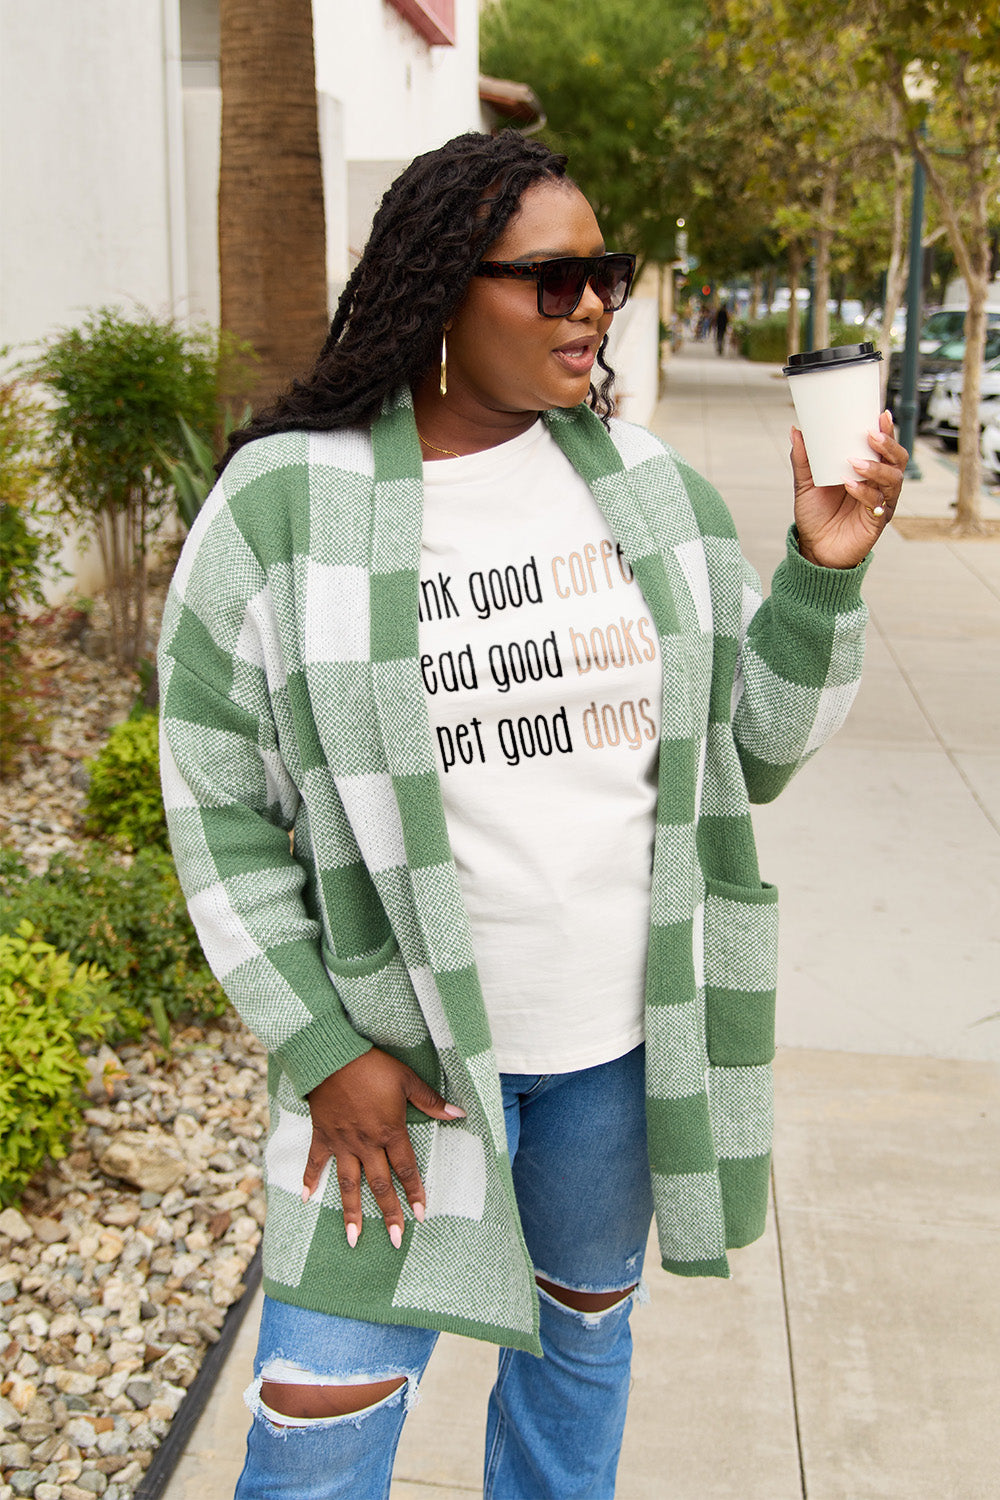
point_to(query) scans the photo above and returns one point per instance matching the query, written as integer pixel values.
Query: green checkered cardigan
(292, 701)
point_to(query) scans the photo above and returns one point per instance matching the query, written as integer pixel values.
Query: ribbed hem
(833, 590)
(319, 1049)
(719, 1267)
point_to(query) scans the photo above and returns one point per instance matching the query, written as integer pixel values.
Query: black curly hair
(427, 237)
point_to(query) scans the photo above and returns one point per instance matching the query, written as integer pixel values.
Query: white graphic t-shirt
(541, 666)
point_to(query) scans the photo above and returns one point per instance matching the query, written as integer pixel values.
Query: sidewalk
(854, 1354)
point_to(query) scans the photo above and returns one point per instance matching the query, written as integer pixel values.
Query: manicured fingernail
(396, 1235)
(352, 1235)
(453, 1112)
(863, 465)
(306, 1194)
(418, 1212)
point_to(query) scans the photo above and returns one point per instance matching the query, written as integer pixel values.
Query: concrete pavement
(854, 1354)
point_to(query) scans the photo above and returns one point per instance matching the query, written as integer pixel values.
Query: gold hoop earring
(444, 364)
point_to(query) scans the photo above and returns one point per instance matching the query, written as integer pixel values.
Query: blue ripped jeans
(554, 1425)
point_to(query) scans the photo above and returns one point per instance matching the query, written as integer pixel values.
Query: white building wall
(401, 96)
(89, 109)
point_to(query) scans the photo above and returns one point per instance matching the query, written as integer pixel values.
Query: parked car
(942, 357)
(990, 442)
(944, 409)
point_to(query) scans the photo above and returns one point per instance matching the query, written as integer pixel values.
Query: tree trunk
(753, 307)
(272, 244)
(824, 243)
(970, 483)
(971, 245)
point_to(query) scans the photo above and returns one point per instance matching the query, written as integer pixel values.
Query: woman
(494, 661)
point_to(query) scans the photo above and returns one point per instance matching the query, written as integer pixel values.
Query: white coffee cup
(836, 396)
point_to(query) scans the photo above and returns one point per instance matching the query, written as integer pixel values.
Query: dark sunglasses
(561, 281)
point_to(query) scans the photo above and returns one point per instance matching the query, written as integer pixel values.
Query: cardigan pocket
(378, 995)
(741, 961)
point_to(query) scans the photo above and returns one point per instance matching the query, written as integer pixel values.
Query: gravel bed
(118, 1267)
(84, 693)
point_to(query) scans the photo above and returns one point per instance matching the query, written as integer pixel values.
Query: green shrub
(29, 541)
(766, 339)
(25, 698)
(45, 1005)
(194, 475)
(124, 801)
(132, 921)
(118, 385)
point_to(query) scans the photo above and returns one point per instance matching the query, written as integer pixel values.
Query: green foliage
(124, 802)
(131, 920)
(46, 1004)
(194, 476)
(29, 542)
(25, 697)
(29, 538)
(766, 339)
(118, 386)
(616, 81)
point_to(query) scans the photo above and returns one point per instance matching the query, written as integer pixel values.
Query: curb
(171, 1450)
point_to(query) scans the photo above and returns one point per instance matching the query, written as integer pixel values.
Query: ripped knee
(311, 1403)
(585, 1302)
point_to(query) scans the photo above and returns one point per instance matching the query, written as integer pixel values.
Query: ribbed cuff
(319, 1049)
(833, 590)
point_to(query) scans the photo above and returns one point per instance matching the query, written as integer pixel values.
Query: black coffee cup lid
(828, 359)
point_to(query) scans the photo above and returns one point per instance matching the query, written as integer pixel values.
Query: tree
(618, 83)
(272, 245)
(952, 47)
(117, 387)
(824, 129)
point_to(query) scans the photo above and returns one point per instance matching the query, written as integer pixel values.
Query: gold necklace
(449, 452)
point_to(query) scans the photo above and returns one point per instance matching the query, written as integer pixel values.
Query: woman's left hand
(837, 524)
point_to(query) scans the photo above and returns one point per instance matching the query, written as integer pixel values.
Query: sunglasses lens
(611, 280)
(562, 286)
(563, 281)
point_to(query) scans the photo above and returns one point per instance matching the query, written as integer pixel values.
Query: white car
(990, 444)
(944, 409)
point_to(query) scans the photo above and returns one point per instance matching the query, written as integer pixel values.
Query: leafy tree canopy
(619, 83)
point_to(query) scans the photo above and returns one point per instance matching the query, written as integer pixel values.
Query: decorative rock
(73, 1382)
(49, 1231)
(144, 1160)
(14, 1226)
(22, 1393)
(140, 1393)
(80, 1432)
(23, 1481)
(93, 1482)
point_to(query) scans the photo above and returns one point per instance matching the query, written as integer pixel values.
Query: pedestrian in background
(721, 325)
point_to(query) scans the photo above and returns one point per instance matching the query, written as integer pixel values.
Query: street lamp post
(908, 390)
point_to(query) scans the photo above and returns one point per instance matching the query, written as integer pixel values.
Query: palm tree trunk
(272, 246)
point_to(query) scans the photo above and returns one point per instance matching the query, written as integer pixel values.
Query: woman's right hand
(359, 1117)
